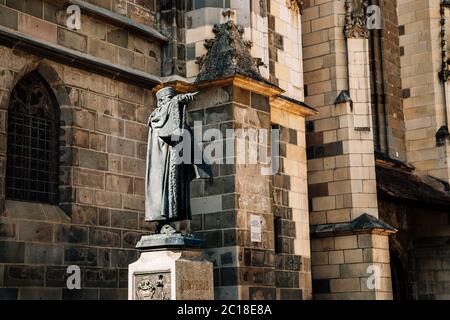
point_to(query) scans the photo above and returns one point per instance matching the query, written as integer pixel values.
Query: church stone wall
(279, 266)
(103, 148)
(424, 104)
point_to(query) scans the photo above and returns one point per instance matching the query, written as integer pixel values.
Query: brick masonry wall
(386, 84)
(431, 253)
(102, 170)
(243, 270)
(278, 267)
(102, 167)
(46, 21)
(340, 149)
(285, 48)
(340, 269)
(423, 104)
(290, 208)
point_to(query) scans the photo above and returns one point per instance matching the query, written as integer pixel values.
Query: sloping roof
(400, 184)
(362, 224)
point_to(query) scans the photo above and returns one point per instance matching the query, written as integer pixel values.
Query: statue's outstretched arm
(187, 97)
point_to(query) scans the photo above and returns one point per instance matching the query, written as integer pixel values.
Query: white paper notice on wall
(255, 228)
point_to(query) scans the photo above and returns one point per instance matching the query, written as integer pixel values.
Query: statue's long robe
(168, 184)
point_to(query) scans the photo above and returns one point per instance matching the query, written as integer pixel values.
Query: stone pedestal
(171, 274)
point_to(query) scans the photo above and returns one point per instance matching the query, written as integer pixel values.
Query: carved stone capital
(296, 5)
(356, 19)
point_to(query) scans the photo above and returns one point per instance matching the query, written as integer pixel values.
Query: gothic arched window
(33, 142)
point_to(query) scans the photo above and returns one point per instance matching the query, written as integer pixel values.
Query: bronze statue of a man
(167, 181)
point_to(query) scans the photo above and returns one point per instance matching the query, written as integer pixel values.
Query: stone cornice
(277, 100)
(292, 106)
(117, 19)
(75, 58)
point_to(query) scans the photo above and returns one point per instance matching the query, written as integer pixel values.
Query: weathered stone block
(72, 40)
(127, 111)
(260, 102)
(24, 276)
(134, 167)
(101, 278)
(97, 142)
(85, 196)
(81, 256)
(104, 217)
(135, 203)
(56, 276)
(104, 237)
(92, 160)
(136, 131)
(139, 187)
(8, 18)
(25, 210)
(103, 50)
(43, 254)
(31, 7)
(80, 138)
(84, 215)
(293, 295)
(12, 252)
(118, 37)
(261, 293)
(35, 231)
(212, 221)
(121, 184)
(124, 219)
(229, 238)
(121, 146)
(7, 230)
(71, 234)
(88, 178)
(110, 125)
(241, 96)
(219, 114)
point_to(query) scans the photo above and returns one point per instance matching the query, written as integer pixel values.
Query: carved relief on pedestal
(152, 286)
(356, 19)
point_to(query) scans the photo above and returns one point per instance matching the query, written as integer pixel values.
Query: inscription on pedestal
(152, 286)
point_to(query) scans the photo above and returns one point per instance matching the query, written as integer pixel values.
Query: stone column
(341, 162)
(277, 266)
(223, 210)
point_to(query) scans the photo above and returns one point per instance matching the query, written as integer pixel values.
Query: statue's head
(165, 93)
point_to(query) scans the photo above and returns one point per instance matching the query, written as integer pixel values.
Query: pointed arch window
(33, 142)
